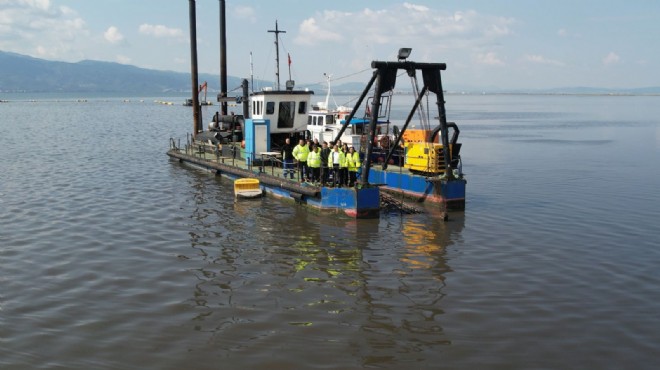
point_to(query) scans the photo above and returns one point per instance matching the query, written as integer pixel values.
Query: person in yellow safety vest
(300, 153)
(314, 163)
(343, 166)
(353, 159)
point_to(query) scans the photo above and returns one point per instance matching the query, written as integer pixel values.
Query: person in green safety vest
(353, 160)
(300, 153)
(343, 165)
(314, 163)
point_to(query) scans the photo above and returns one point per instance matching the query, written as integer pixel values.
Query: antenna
(327, 96)
(277, 32)
(251, 73)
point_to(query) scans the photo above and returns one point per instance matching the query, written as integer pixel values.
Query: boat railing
(270, 159)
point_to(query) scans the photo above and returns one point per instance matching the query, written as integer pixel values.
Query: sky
(507, 44)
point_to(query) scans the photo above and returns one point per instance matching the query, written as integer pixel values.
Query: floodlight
(404, 53)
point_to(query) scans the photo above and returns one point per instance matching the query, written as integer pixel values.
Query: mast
(327, 95)
(197, 122)
(277, 32)
(223, 58)
(251, 73)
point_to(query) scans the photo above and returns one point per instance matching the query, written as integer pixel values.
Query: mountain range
(21, 73)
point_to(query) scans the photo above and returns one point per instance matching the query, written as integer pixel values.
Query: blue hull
(357, 203)
(421, 188)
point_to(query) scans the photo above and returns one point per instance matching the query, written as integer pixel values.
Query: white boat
(323, 124)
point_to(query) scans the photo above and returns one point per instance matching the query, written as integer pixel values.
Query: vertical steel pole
(223, 57)
(375, 108)
(193, 67)
(444, 135)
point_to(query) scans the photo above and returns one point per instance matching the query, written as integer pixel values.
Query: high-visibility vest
(314, 159)
(353, 161)
(342, 160)
(301, 152)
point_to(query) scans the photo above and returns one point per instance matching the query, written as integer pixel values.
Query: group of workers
(317, 162)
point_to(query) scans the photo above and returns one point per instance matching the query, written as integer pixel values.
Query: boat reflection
(266, 273)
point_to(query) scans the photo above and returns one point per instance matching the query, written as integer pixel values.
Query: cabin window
(302, 107)
(320, 121)
(257, 107)
(270, 107)
(309, 120)
(329, 119)
(285, 116)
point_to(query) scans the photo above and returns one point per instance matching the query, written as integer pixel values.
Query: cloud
(539, 59)
(244, 12)
(310, 33)
(404, 24)
(489, 59)
(611, 59)
(112, 35)
(160, 31)
(416, 8)
(37, 28)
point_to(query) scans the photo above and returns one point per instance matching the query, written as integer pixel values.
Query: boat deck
(268, 171)
(268, 163)
(396, 180)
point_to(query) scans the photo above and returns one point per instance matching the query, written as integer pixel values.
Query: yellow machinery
(426, 157)
(418, 136)
(423, 153)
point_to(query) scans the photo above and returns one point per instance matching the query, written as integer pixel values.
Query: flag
(289, 55)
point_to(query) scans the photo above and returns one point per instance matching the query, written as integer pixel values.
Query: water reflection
(268, 272)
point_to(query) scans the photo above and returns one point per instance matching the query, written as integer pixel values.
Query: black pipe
(454, 136)
(375, 104)
(246, 97)
(197, 122)
(409, 65)
(223, 57)
(433, 79)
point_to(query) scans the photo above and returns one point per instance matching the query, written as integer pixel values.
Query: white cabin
(287, 110)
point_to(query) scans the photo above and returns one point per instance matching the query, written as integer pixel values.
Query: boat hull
(421, 188)
(353, 202)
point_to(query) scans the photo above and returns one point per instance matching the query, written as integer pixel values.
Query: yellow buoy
(247, 188)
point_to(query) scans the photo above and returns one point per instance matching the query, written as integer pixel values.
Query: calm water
(113, 257)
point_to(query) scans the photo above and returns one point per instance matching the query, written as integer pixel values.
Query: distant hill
(20, 73)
